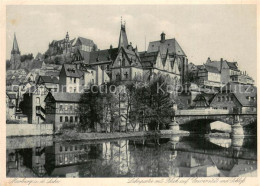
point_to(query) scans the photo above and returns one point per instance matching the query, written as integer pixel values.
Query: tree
(154, 103)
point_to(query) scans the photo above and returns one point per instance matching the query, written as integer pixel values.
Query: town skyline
(214, 43)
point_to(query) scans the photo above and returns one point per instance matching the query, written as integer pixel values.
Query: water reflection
(174, 156)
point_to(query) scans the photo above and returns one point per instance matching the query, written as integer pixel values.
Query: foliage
(26, 57)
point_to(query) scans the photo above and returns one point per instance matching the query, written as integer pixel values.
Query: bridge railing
(202, 112)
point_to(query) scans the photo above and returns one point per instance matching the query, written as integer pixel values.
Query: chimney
(221, 63)
(162, 37)
(111, 46)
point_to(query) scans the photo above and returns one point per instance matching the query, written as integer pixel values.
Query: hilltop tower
(15, 54)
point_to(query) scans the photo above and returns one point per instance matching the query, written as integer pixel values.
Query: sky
(215, 31)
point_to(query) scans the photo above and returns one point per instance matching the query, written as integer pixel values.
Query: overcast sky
(215, 31)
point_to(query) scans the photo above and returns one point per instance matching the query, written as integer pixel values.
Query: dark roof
(86, 41)
(147, 59)
(211, 69)
(66, 97)
(103, 55)
(242, 92)
(72, 71)
(232, 65)
(48, 79)
(171, 45)
(85, 55)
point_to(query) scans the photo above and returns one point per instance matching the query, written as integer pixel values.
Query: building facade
(61, 108)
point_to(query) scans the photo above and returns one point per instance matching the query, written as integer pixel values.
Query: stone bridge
(199, 120)
(187, 116)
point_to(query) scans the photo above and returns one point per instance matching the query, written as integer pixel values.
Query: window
(226, 98)
(92, 81)
(61, 119)
(76, 118)
(75, 89)
(60, 148)
(70, 90)
(71, 119)
(60, 107)
(231, 98)
(223, 98)
(66, 107)
(71, 79)
(66, 148)
(66, 119)
(71, 148)
(118, 77)
(75, 80)
(38, 100)
(126, 75)
(91, 72)
(76, 147)
(225, 108)
(71, 107)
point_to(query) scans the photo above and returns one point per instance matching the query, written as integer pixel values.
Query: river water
(170, 156)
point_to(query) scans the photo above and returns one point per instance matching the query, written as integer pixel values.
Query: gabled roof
(242, 92)
(211, 69)
(171, 44)
(85, 41)
(232, 65)
(147, 59)
(103, 55)
(72, 71)
(48, 79)
(84, 54)
(65, 97)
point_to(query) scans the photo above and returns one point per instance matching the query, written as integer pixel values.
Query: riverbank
(74, 136)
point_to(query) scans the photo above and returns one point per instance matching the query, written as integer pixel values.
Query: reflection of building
(65, 160)
(61, 108)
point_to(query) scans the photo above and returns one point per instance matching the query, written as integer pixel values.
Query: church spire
(15, 49)
(123, 42)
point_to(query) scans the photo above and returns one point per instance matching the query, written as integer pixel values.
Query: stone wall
(28, 129)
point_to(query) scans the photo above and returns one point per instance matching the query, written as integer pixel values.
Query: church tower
(123, 42)
(15, 55)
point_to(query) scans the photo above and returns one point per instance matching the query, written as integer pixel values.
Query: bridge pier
(174, 126)
(237, 129)
(174, 140)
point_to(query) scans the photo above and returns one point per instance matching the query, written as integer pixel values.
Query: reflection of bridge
(186, 116)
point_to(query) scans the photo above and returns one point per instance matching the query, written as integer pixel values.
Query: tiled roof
(171, 44)
(242, 92)
(232, 65)
(103, 55)
(211, 69)
(85, 55)
(66, 97)
(147, 59)
(48, 79)
(86, 41)
(72, 71)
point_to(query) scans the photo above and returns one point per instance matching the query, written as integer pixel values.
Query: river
(168, 156)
